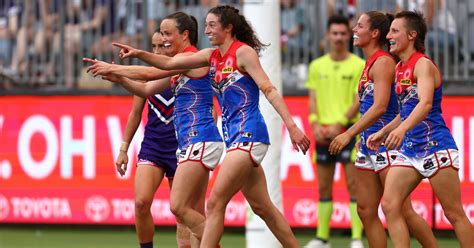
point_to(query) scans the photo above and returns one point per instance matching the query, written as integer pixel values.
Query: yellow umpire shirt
(335, 83)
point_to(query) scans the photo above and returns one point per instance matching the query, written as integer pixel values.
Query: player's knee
(454, 215)
(142, 205)
(367, 212)
(177, 208)
(351, 187)
(215, 205)
(263, 212)
(390, 206)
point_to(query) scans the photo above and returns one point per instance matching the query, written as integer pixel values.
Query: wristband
(124, 146)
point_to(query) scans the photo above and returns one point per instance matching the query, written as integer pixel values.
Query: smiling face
(338, 36)
(172, 39)
(214, 30)
(158, 45)
(362, 32)
(399, 36)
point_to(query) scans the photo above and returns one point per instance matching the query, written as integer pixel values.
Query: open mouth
(355, 36)
(166, 45)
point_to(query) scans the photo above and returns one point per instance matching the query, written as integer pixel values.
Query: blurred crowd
(43, 41)
(450, 41)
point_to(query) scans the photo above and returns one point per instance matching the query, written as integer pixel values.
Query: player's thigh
(399, 183)
(189, 183)
(446, 186)
(147, 179)
(233, 173)
(369, 188)
(255, 190)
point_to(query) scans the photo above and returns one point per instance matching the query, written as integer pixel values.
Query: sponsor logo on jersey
(433, 143)
(405, 81)
(346, 77)
(182, 154)
(247, 134)
(428, 164)
(380, 158)
(360, 160)
(227, 70)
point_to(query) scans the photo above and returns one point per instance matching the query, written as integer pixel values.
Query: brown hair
(186, 22)
(381, 21)
(241, 29)
(415, 21)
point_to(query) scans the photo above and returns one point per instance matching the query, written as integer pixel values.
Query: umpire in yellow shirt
(334, 105)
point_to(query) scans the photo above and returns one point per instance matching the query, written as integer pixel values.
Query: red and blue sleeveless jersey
(159, 141)
(238, 96)
(431, 134)
(366, 95)
(193, 109)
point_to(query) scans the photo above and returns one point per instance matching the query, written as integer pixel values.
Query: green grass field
(17, 236)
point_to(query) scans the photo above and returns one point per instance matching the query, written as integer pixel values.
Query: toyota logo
(97, 208)
(305, 211)
(4, 207)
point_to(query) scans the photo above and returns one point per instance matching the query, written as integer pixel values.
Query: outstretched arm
(147, 73)
(146, 89)
(248, 59)
(140, 88)
(195, 60)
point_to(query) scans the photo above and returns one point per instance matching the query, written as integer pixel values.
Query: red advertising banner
(57, 158)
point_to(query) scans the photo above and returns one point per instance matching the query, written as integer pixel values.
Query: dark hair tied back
(241, 29)
(186, 22)
(381, 21)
